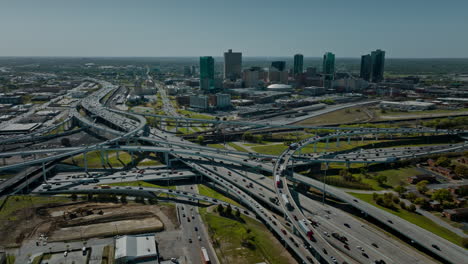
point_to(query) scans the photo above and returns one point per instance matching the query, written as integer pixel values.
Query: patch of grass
(343, 116)
(10, 259)
(273, 149)
(218, 146)
(207, 191)
(416, 219)
(18, 202)
(142, 184)
(228, 235)
(195, 115)
(94, 159)
(237, 147)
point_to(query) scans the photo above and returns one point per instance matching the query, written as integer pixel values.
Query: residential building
(275, 76)
(232, 65)
(223, 101)
(458, 214)
(298, 64)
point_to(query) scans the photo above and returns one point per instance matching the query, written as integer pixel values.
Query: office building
(278, 65)
(275, 76)
(223, 101)
(298, 64)
(378, 63)
(232, 65)
(366, 67)
(206, 73)
(328, 68)
(199, 102)
(187, 71)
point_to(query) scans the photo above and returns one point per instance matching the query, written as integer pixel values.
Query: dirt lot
(69, 221)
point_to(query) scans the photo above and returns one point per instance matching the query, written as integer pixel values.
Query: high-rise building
(328, 68)
(206, 73)
(251, 77)
(366, 67)
(378, 63)
(279, 65)
(232, 65)
(187, 71)
(298, 64)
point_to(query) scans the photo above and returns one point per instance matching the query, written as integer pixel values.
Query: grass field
(278, 148)
(349, 115)
(205, 190)
(142, 184)
(18, 202)
(237, 147)
(416, 219)
(195, 115)
(219, 146)
(229, 234)
(94, 160)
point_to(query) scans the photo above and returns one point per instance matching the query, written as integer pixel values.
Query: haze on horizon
(178, 28)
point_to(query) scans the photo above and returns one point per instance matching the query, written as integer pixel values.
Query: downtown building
(328, 68)
(298, 64)
(206, 73)
(232, 65)
(372, 66)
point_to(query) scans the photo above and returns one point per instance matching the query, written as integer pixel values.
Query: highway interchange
(242, 176)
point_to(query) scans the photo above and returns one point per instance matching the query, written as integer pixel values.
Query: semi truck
(306, 229)
(204, 256)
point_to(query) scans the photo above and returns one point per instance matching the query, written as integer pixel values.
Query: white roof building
(138, 248)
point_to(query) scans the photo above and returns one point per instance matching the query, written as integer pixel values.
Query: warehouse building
(136, 249)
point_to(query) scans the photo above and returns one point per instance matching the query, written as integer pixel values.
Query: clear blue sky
(349, 28)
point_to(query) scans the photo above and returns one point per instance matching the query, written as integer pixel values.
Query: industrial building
(407, 105)
(136, 249)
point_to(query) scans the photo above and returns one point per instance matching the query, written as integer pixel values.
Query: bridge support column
(107, 156)
(85, 162)
(362, 139)
(315, 146)
(349, 140)
(338, 141)
(376, 137)
(103, 162)
(132, 160)
(117, 155)
(4, 161)
(166, 158)
(44, 172)
(347, 165)
(327, 143)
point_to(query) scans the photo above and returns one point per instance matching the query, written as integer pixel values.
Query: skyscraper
(279, 65)
(328, 68)
(366, 67)
(298, 64)
(232, 65)
(206, 72)
(378, 63)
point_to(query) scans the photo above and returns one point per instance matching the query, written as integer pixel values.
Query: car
(436, 247)
(375, 245)
(365, 255)
(183, 215)
(190, 240)
(325, 251)
(199, 238)
(196, 228)
(390, 221)
(284, 231)
(347, 225)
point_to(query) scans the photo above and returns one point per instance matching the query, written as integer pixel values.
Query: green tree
(123, 199)
(422, 186)
(220, 209)
(465, 242)
(400, 189)
(238, 213)
(229, 210)
(461, 171)
(375, 196)
(412, 208)
(402, 205)
(443, 161)
(74, 197)
(247, 136)
(200, 139)
(381, 179)
(442, 195)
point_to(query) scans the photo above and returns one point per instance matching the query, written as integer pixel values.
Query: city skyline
(186, 29)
